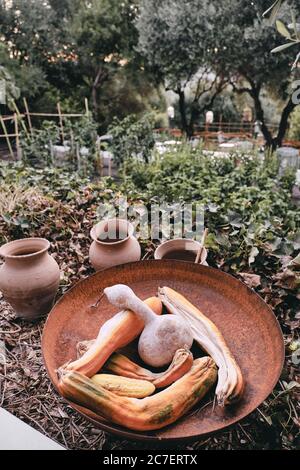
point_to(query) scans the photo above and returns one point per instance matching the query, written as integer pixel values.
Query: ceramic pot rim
(94, 235)
(160, 251)
(10, 249)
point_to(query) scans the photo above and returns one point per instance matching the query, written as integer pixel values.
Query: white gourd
(162, 336)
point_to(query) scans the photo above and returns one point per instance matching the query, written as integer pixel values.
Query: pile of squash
(135, 397)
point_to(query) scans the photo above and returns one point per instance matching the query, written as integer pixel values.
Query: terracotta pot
(113, 244)
(175, 249)
(29, 278)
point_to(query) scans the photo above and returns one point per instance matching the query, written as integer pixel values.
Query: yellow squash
(124, 386)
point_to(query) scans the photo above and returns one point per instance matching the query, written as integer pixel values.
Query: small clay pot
(183, 249)
(113, 244)
(29, 277)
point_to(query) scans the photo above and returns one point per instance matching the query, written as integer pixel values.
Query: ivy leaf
(235, 219)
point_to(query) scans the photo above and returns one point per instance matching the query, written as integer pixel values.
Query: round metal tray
(247, 323)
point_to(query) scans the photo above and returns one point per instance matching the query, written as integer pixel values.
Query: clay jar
(183, 249)
(29, 277)
(113, 244)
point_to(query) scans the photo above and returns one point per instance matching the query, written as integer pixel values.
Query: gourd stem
(141, 309)
(122, 296)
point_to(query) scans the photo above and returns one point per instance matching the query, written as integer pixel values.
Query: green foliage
(37, 147)
(291, 32)
(129, 90)
(32, 31)
(174, 36)
(132, 137)
(294, 132)
(243, 50)
(12, 92)
(56, 183)
(176, 39)
(248, 208)
(244, 44)
(48, 202)
(69, 50)
(83, 130)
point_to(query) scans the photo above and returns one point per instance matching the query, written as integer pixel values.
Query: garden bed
(254, 235)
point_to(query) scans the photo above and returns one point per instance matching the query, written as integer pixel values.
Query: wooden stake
(52, 153)
(61, 123)
(109, 166)
(17, 135)
(200, 251)
(20, 117)
(9, 118)
(56, 115)
(7, 138)
(27, 114)
(72, 146)
(78, 157)
(87, 111)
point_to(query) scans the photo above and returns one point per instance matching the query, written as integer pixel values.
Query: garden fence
(215, 132)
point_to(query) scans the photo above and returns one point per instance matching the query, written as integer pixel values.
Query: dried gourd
(116, 333)
(230, 382)
(181, 364)
(162, 335)
(144, 414)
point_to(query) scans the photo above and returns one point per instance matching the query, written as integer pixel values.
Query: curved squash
(116, 333)
(149, 413)
(122, 366)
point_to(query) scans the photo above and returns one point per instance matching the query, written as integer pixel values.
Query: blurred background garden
(175, 101)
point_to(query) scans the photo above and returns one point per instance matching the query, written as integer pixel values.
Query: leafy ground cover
(253, 234)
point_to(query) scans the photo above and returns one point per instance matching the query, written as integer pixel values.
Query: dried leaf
(252, 280)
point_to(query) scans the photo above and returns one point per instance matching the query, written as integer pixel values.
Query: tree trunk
(101, 76)
(272, 142)
(95, 101)
(182, 110)
(260, 116)
(194, 114)
(284, 121)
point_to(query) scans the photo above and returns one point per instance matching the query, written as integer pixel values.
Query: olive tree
(175, 38)
(244, 50)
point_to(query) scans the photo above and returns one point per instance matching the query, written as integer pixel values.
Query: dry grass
(13, 197)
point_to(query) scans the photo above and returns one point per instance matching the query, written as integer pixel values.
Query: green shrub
(294, 132)
(37, 147)
(248, 208)
(132, 137)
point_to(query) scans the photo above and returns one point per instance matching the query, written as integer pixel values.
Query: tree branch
(288, 109)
